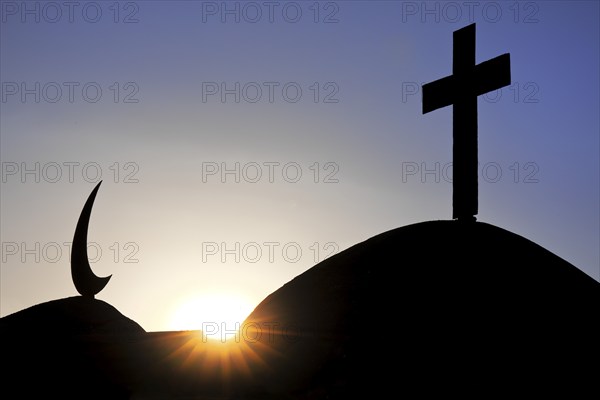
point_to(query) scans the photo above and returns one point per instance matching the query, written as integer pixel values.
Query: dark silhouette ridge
(449, 302)
(71, 316)
(72, 348)
(86, 282)
(460, 90)
(441, 306)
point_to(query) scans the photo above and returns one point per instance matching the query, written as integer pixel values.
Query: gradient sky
(157, 132)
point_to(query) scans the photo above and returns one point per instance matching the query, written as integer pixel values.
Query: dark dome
(71, 316)
(447, 301)
(70, 348)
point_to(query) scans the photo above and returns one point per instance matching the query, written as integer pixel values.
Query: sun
(218, 315)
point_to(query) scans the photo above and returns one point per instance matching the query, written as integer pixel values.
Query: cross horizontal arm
(438, 94)
(492, 74)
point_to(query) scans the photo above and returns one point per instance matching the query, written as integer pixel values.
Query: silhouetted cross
(461, 90)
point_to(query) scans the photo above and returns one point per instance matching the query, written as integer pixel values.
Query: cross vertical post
(464, 128)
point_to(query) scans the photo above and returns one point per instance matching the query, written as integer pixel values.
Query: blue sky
(241, 143)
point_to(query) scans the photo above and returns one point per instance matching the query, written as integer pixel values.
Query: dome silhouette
(76, 347)
(73, 316)
(449, 301)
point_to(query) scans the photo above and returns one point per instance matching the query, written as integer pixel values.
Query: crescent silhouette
(86, 282)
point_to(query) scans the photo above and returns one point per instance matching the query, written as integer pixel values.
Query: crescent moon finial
(86, 282)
